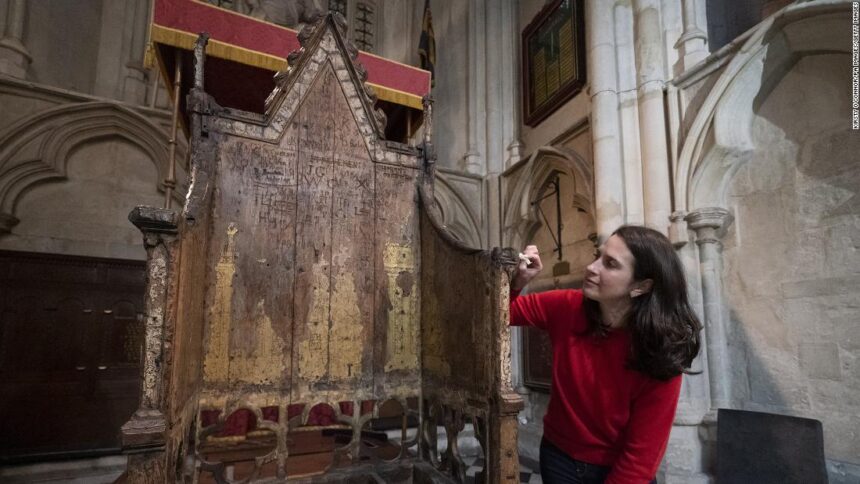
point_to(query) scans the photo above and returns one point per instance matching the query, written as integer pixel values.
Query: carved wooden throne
(308, 317)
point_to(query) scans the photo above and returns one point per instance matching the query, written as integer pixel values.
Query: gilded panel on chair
(333, 324)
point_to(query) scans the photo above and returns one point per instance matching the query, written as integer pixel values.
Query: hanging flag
(427, 44)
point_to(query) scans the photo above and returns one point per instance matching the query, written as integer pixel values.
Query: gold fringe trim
(222, 50)
(397, 97)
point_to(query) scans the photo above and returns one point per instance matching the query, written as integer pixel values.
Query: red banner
(250, 41)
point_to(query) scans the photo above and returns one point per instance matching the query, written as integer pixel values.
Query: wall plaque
(553, 59)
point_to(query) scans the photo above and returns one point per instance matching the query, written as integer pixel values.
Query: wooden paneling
(70, 348)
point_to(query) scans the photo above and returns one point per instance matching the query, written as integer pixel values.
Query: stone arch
(37, 149)
(736, 150)
(521, 218)
(720, 137)
(455, 214)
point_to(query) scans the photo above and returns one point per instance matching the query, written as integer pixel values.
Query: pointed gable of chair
(326, 59)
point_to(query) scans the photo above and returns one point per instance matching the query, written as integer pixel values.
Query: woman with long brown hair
(620, 346)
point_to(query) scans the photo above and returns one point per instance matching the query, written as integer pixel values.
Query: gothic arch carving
(521, 218)
(720, 137)
(37, 149)
(328, 42)
(454, 213)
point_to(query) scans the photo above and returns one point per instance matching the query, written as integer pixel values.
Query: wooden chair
(307, 293)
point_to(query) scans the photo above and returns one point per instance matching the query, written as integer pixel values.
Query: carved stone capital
(692, 34)
(145, 429)
(154, 220)
(678, 229)
(707, 222)
(7, 221)
(713, 217)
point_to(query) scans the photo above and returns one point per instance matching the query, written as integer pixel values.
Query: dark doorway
(71, 336)
(727, 19)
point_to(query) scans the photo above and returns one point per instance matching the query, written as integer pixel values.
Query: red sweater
(599, 411)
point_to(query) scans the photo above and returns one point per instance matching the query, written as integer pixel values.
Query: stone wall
(792, 274)
(87, 214)
(81, 117)
(765, 171)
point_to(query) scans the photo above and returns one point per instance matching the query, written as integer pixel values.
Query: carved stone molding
(520, 218)
(678, 229)
(713, 217)
(720, 136)
(708, 222)
(37, 149)
(455, 212)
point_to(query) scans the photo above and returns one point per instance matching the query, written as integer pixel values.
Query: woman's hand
(527, 269)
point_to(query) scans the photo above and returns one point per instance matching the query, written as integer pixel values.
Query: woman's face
(609, 279)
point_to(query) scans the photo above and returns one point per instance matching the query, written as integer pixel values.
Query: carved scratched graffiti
(317, 287)
(334, 239)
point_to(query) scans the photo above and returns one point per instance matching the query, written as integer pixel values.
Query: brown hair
(664, 328)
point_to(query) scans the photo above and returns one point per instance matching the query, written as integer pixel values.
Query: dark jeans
(556, 467)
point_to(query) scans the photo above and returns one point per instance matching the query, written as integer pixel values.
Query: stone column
(695, 400)
(628, 113)
(14, 57)
(684, 462)
(495, 57)
(145, 430)
(510, 84)
(693, 43)
(492, 117)
(707, 222)
(473, 159)
(651, 75)
(134, 84)
(605, 131)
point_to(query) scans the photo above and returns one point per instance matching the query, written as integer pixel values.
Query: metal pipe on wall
(170, 181)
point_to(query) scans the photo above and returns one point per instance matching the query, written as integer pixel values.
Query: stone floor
(101, 470)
